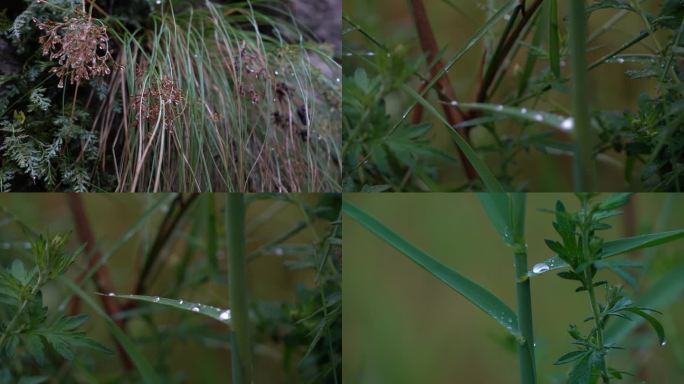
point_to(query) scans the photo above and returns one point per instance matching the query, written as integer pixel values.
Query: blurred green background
(454, 23)
(182, 347)
(401, 325)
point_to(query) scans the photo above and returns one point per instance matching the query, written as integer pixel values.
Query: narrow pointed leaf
(472, 291)
(665, 292)
(220, 314)
(629, 244)
(651, 320)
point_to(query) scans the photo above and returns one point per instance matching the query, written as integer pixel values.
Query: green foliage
(45, 141)
(504, 126)
(376, 152)
(584, 251)
(30, 335)
(312, 325)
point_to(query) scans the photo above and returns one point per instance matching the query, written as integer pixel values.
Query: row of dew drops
(224, 314)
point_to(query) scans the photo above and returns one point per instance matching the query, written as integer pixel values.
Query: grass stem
(235, 228)
(526, 349)
(585, 172)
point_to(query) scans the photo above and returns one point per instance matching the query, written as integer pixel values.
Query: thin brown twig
(177, 211)
(102, 280)
(446, 92)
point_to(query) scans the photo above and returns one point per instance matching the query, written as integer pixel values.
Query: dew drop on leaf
(225, 315)
(156, 299)
(195, 309)
(540, 268)
(568, 124)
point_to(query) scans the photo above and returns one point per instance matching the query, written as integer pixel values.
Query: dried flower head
(165, 96)
(79, 44)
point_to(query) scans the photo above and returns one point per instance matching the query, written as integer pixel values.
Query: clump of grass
(257, 114)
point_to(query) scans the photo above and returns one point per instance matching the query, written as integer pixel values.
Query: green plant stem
(585, 173)
(589, 283)
(235, 228)
(528, 373)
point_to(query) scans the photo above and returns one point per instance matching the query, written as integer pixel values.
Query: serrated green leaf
(476, 294)
(219, 314)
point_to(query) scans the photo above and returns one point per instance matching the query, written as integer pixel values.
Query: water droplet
(195, 309)
(158, 2)
(499, 107)
(276, 73)
(337, 80)
(539, 117)
(225, 315)
(110, 294)
(620, 60)
(278, 251)
(524, 110)
(540, 268)
(454, 103)
(180, 302)
(568, 124)
(664, 343)
(370, 53)
(156, 299)
(507, 17)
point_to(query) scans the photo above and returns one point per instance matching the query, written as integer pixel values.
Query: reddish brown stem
(103, 282)
(428, 43)
(501, 55)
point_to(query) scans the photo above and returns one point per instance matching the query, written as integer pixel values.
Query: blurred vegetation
(170, 246)
(403, 326)
(396, 140)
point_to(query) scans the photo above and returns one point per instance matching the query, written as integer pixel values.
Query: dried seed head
(79, 45)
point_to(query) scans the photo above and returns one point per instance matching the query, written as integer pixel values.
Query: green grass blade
(629, 244)
(554, 41)
(146, 371)
(506, 211)
(219, 314)
(488, 179)
(476, 294)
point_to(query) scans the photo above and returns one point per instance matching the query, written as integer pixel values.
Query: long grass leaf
(475, 293)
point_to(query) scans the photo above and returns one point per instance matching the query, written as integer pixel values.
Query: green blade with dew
(614, 248)
(219, 314)
(475, 293)
(562, 123)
